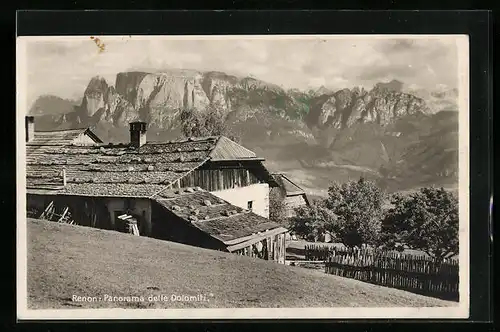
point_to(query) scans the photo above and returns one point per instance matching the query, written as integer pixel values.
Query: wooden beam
(256, 238)
(271, 232)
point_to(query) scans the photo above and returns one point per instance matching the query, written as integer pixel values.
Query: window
(249, 205)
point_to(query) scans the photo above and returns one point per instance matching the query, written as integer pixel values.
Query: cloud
(402, 71)
(64, 67)
(317, 81)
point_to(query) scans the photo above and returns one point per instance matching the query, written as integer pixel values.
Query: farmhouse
(293, 195)
(209, 192)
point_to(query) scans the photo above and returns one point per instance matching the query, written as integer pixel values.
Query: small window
(249, 205)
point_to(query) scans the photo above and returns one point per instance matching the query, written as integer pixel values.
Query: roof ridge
(184, 140)
(225, 140)
(217, 143)
(289, 180)
(62, 130)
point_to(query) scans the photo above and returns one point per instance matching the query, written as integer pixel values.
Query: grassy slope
(66, 260)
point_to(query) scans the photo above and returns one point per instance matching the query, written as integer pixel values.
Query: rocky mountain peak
(157, 96)
(322, 90)
(97, 84)
(392, 86)
(381, 105)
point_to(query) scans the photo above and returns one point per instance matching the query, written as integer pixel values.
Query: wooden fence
(418, 274)
(317, 252)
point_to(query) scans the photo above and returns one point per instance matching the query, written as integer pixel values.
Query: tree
(426, 220)
(312, 221)
(357, 206)
(215, 122)
(210, 122)
(192, 123)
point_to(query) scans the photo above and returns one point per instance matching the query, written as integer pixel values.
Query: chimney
(137, 134)
(30, 128)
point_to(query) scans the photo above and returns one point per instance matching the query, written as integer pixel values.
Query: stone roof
(114, 169)
(61, 137)
(120, 169)
(213, 215)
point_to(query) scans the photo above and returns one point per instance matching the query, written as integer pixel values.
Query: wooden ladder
(50, 214)
(66, 217)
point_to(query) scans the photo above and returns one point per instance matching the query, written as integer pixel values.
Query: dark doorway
(120, 225)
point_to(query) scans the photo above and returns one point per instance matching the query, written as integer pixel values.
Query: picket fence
(415, 273)
(315, 252)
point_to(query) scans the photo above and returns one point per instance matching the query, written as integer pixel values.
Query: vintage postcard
(226, 177)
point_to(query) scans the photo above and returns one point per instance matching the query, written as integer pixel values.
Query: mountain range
(401, 137)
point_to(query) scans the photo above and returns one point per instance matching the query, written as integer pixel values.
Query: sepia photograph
(250, 176)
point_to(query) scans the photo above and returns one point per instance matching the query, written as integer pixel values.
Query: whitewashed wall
(258, 193)
(83, 139)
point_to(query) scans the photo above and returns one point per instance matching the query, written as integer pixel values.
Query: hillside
(65, 260)
(52, 105)
(349, 132)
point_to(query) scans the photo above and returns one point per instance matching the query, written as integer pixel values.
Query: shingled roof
(120, 170)
(227, 149)
(61, 137)
(213, 215)
(291, 188)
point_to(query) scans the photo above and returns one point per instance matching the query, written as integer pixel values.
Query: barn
(292, 195)
(209, 192)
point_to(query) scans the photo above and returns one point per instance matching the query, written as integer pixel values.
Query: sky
(63, 67)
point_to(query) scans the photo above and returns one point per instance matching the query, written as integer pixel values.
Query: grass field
(65, 260)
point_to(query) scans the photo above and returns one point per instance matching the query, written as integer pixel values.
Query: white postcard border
(461, 310)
